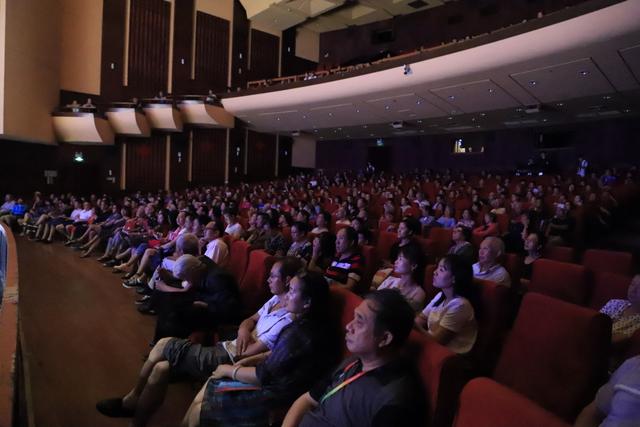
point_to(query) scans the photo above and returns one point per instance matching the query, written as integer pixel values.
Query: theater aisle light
(78, 157)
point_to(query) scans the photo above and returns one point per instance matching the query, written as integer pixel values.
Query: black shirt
(220, 291)
(386, 396)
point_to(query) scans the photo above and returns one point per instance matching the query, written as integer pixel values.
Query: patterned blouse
(625, 326)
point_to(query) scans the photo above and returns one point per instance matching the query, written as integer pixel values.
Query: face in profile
(360, 337)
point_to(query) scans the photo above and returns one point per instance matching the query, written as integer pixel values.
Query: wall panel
(178, 161)
(182, 44)
(209, 149)
(148, 47)
(113, 27)
(261, 156)
(285, 145)
(146, 163)
(236, 154)
(265, 50)
(239, 72)
(212, 53)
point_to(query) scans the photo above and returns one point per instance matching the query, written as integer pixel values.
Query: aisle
(83, 338)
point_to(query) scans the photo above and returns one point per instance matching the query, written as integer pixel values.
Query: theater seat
(443, 373)
(386, 239)
(427, 285)
(493, 322)
(343, 303)
(428, 247)
(561, 280)
(485, 403)
(513, 264)
(371, 264)
(254, 290)
(608, 286)
(238, 259)
(556, 354)
(442, 240)
(560, 253)
(598, 260)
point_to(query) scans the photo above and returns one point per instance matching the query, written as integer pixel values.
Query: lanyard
(344, 383)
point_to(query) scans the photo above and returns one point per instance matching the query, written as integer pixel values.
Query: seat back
(492, 318)
(485, 403)
(371, 264)
(343, 303)
(608, 286)
(254, 290)
(443, 373)
(556, 354)
(513, 264)
(598, 260)
(428, 247)
(442, 240)
(386, 239)
(238, 259)
(561, 280)
(560, 253)
(427, 285)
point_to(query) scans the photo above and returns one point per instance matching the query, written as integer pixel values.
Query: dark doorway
(380, 158)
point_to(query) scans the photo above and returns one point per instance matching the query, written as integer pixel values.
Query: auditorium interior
(499, 134)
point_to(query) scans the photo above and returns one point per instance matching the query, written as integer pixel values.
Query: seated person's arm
(351, 284)
(169, 244)
(245, 374)
(590, 416)
(254, 360)
(441, 335)
(420, 323)
(244, 338)
(163, 287)
(300, 407)
(254, 348)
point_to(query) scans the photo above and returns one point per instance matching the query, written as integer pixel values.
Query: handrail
(9, 331)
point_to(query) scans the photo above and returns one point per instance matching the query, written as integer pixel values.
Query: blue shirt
(19, 209)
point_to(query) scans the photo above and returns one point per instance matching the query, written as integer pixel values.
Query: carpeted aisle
(83, 339)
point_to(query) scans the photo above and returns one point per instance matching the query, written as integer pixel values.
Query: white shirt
(75, 214)
(496, 273)
(234, 230)
(218, 251)
(85, 215)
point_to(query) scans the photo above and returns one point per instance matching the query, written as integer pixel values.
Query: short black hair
(393, 314)
(413, 224)
(301, 227)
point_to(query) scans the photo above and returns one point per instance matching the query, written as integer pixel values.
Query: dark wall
(454, 20)
(239, 57)
(237, 137)
(291, 64)
(146, 159)
(209, 149)
(264, 55)
(261, 156)
(212, 53)
(284, 156)
(602, 143)
(179, 161)
(182, 40)
(113, 25)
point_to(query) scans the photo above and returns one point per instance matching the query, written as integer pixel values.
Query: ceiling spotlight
(419, 121)
(365, 126)
(357, 111)
(315, 130)
(78, 157)
(419, 101)
(387, 107)
(560, 104)
(450, 118)
(606, 97)
(626, 110)
(452, 97)
(584, 73)
(278, 118)
(407, 70)
(482, 114)
(545, 120)
(491, 90)
(304, 117)
(532, 82)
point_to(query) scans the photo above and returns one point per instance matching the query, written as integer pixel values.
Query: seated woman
(447, 220)
(300, 247)
(625, 313)
(408, 228)
(297, 357)
(408, 275)
(532, 246)
(450, 317)
(461, 245)
(347, 267)
(322, 252)
(488, 228)
(466, 220)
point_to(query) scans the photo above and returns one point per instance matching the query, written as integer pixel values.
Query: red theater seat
(370, 264)
(561, 280)
(513, 264)
(442, 240)
(428, 247)
(343, 303)
(485, 403)
(427, 285)
(238, 259)
(608, 286)
(386, 239)
(598, 260)
(254, 290)
(556, 354)
(560, 253)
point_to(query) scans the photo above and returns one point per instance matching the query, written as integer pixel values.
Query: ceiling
(554, 75)
(329, 15)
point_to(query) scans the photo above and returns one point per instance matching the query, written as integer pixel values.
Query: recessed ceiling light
(357, 111)
(278, 118)
(386, 107)
(482, 114)
(560, 104)
(315, 130)
(450, 118)
(419, 121)
(473, 119)
(532, 82)
(584, 73)
(370, 134)
(419, 101)
(304, 117)
(606, 97)
(330, 114)
(451, 97)
(545, 120)
(518, 110)
(626, 110)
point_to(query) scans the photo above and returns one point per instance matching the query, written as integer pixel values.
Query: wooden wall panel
(209, 150)
(236, 153)
(113, 25)
(261, 156)
(212, 53)
(179, 159)
(182, 44)
(239, 71)
(265, 49)
(146, 163)
(148, 47)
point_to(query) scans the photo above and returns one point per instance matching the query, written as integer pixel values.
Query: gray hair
(185, 266)
(188, 244)
(496, 244)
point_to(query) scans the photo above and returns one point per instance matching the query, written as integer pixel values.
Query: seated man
(214, 246)
(487, 267)
(617, 403)
(347, 267)
(376, 387)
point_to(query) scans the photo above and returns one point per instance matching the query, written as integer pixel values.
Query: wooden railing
(11, 378)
